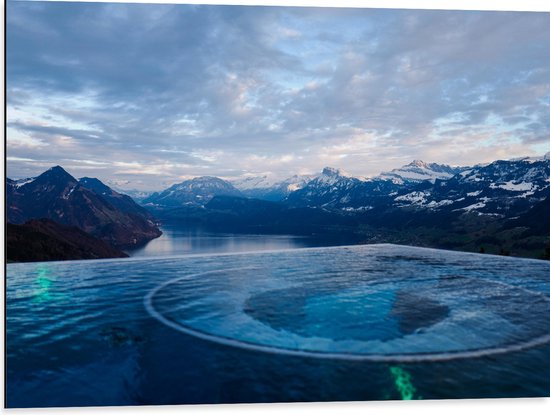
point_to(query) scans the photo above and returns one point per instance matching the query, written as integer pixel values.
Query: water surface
(179, 239)
(315, 324)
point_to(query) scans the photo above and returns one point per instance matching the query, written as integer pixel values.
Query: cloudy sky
(147, 95)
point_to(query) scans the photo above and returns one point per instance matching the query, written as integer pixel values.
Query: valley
(497, 208)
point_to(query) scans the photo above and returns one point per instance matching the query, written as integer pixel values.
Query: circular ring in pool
(439, 319)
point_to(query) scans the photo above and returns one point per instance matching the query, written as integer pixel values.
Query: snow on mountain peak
(418, 171)
(418, 163)
(535, 159)
(253, 182)
(330, 171)
(334, 172)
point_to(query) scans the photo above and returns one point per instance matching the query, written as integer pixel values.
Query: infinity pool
(316, 324)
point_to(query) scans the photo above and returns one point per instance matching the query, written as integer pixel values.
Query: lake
(178, 239)
(370, 322)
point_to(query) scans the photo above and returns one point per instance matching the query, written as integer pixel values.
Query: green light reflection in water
(44, 283)
(403, 383)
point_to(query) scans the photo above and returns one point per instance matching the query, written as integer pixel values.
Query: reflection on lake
(181, 240)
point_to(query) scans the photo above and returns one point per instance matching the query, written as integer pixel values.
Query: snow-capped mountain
(419, 171)
(502, 188)
(263, 187)
(533, 159)
(198, 190)
(335, 189)
(294, 183)
(253, 182)
(331, 175)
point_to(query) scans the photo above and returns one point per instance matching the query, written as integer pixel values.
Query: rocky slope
(58, 196)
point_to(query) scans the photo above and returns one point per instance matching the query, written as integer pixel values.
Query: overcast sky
(147, 95)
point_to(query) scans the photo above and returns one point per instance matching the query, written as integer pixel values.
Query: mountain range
(498, 188)
(486, 207)
(497, 207)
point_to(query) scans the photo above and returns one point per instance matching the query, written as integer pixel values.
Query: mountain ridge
(198, 190)
(493, 208)
(58, 196)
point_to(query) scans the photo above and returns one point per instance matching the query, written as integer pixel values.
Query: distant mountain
(103, 213)
(504, 188)
(261, 187)
(137, 195)
(330, 188)
(337, 190)
(46, 240)
(533, 159)
(197, 191)
(419, 171)
(498, 208)
(253, 182)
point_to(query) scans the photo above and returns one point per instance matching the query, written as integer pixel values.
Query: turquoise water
(316, 324)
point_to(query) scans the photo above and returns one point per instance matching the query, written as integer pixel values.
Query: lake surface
(370, 322)
(178, 240)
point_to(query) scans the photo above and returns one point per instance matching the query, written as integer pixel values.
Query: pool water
(369, 322)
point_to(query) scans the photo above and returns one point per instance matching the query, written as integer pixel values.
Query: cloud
(153, 93)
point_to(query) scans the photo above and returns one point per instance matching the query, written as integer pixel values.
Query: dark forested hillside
(46, 240)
